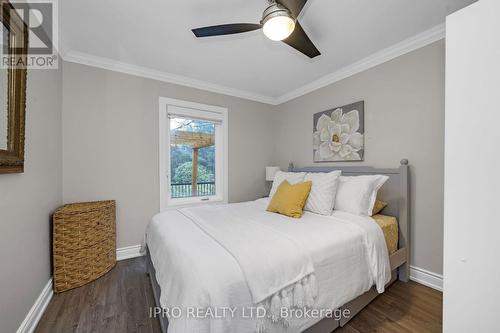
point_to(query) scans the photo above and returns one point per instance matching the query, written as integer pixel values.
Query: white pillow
(357, 194)
(280, 176)
(324, 188)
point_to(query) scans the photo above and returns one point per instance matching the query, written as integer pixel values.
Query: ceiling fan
(279, 23)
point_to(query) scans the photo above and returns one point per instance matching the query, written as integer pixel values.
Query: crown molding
(411, 44)
(126, 68)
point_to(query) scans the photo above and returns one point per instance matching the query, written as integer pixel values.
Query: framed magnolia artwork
(338, 134)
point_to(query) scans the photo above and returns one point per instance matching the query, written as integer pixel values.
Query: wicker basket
(84, 243)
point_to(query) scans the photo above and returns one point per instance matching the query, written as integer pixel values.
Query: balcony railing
(185, 190)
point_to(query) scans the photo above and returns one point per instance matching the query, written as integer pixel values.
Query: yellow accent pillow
(379, 205)
(290, 199)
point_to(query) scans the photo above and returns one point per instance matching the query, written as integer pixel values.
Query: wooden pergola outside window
(196, 140)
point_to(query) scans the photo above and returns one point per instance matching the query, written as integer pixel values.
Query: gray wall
(404, 118)
(110, 143)
(27, 201)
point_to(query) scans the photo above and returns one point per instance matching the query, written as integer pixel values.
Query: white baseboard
(426, 278)
(128, 252)
(35, 313)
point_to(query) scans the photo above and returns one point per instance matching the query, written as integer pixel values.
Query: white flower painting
(338, 135)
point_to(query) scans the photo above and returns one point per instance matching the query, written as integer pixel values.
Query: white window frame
(200, 111)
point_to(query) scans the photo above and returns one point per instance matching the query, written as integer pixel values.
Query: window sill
(191, 203)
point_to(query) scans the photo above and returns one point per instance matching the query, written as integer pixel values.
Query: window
(193, 153)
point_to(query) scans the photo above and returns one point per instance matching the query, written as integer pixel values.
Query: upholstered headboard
(396, 192)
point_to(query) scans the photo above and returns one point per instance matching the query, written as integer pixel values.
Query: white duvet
(197, 269)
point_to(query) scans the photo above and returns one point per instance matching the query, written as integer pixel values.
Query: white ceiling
(156, 35)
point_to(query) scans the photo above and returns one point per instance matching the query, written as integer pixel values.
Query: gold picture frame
(12, 158)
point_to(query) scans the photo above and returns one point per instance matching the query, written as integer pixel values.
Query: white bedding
(348, 252)
(285, 276)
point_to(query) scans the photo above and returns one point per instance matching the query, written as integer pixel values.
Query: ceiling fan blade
(225, 29)
(295, 6)
(299, 41)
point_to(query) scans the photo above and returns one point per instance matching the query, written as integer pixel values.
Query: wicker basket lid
(81, 207)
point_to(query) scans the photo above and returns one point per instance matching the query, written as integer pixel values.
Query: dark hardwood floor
(117, 302)
(403, 307)
(120, 301)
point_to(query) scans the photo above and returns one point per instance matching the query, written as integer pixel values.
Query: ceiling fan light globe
(278, 28)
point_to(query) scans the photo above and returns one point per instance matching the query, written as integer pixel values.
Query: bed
(352, 256)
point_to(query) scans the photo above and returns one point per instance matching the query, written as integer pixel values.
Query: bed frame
(396, 192)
